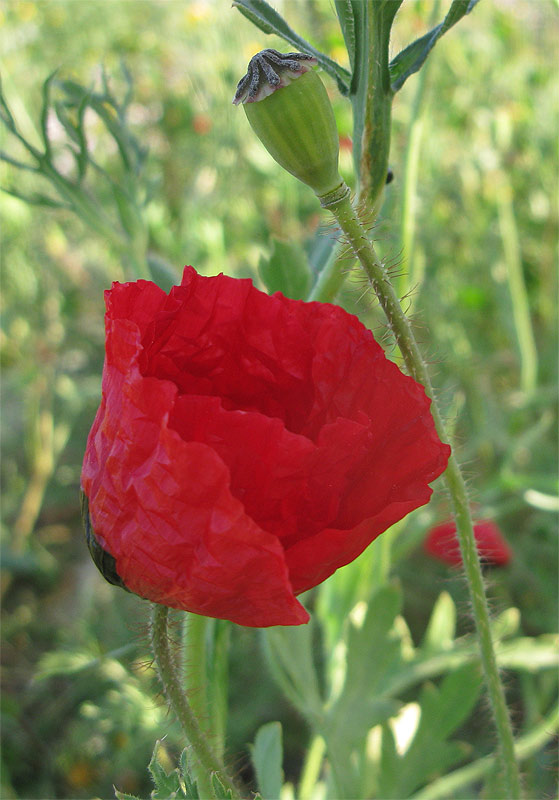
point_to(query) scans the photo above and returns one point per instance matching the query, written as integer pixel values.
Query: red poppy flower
(441, 543)
(247, 446)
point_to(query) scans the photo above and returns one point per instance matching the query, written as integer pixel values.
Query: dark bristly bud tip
(269, 70)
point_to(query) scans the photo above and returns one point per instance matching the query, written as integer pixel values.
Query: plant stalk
(209, 763)
(194, 649)
(356, 235)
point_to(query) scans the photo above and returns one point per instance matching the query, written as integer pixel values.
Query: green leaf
(529, 654)
(15, 163)
(289, 653)
(320, 250)
(190, 785)
(76, 133)
(269, 21)
(442, 711)
(124, 795)
(45, 112)
(411, 58)
(442, 624)
(346, 17)
(162, 273)
(286, 270)
(130, 217)
(267, 757)
(373, 649)
(371, 92)
(36, 198)
(112, 115)
(219, 790)
(167, 786)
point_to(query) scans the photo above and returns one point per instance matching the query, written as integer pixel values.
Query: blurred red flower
(247, 446)
(442, 543)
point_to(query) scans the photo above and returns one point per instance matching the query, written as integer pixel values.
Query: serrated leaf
(373, 649)
(442, 624)
(219, 790)
(286, 270)
(267, 19)
(124, 795)
(185, 768)
(442, 711)
(167, 786)
(267, 758)
(289, 651)
(411, 58)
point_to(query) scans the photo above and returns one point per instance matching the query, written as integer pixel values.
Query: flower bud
(288, 108)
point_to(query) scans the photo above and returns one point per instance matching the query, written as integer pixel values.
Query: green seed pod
(288, 108)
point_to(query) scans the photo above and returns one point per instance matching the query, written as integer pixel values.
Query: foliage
(167, 173)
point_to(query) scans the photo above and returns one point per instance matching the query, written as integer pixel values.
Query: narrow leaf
(5, 112)
(267, 757)
(346, 17)
(442, 624)
(65, 121)
(45, 113)
(268, 20)
(35, 199)
(411, 58)
(286, 270)
(19, 164)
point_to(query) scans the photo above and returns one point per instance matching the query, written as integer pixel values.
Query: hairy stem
(364, 251)
(203, 753)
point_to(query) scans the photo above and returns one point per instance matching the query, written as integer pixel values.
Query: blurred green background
(80, 706)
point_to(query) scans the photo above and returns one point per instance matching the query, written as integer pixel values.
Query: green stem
(182, 708)
(363, 249)
(195, 667)
(331, 277)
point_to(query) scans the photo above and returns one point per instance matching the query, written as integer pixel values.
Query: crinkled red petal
(247, 446)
